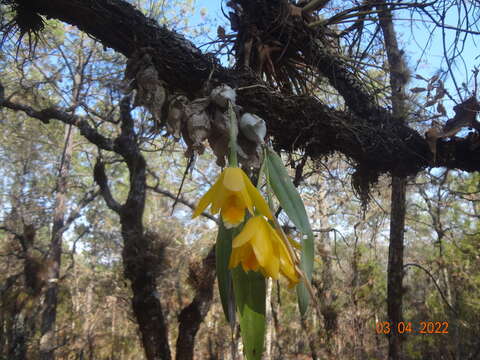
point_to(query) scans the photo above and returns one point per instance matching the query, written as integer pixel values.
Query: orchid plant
(251, 245)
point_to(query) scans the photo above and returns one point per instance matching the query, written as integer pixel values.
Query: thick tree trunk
(192, 316)
(18, 337)
(49, 312)
(140, 261)
(395, 265)
(140, 269)
(17, 325)
(398, 79)
(358, 351)
(326, 292)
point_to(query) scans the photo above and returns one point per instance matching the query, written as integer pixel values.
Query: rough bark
(140, 270)
(191, 317)
(398, 80)
(395, 265)
(49, 313)
(326, 287)
(16, 325)
(140, 263)
(367, 134)
(374, 138)
(19, 337)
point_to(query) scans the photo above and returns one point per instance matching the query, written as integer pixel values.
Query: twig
(172, 196)
(435, 283)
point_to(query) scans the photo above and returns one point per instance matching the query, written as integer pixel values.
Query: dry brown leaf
(142, 75)
(418, 89)
(434, 78)
(219, 137)
(465, 114)
(221, 32)
(432, 135)
(176, 115)
(440, 93)
(295, 10)
(197, 126)
(249, 152)
(441, 109)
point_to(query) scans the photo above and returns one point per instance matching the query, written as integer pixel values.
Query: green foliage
(223, 249)
(250, 294)
(292, 203)
(95, 317)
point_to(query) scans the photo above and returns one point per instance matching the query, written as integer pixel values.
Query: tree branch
(202, 278)
(87, 199)
(369, 138)
(100, 178)
(435, 283)
(156, 188)
(180, 200)
(47, 114)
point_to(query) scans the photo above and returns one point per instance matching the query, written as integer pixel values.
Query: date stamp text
(409, 327)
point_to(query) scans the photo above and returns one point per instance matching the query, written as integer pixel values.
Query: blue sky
(414, 38)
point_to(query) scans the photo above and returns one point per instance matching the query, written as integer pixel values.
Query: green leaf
(292, 203)
(250, 295)
(306, 264)
(286, 192)
(223, 249)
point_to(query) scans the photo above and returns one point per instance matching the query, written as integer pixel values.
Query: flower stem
(232, 145)
(262, 171)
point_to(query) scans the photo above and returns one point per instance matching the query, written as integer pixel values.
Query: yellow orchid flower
(258, 247)
(232, 193)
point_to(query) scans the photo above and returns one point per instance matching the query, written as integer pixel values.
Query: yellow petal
(287, 267)
(261, 243)
(221, 195)
(259, 248)
(272, 267)
(291, 277)
(246, 199)
(292, 284)
(235, 258)
(233, 179)
(273, 263)
(206, 200)
(247, 233)
(290, 273)
(257, 198)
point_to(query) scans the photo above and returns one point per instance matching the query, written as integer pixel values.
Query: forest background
(69, 288)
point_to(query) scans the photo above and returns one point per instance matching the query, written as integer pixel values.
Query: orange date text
(408, 327)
